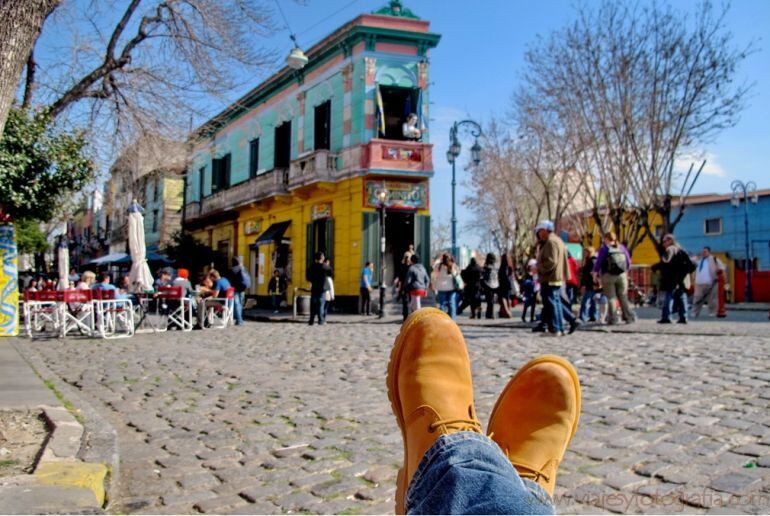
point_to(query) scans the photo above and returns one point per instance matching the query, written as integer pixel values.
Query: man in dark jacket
(316, 275)
(241, 281)
(471, 276)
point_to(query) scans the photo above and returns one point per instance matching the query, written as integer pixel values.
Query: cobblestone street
(284, 417)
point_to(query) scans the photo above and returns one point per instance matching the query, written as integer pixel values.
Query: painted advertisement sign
(412, 196)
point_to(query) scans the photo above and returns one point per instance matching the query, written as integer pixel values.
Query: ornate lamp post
(382, 199)
(451, 156)
(749, 191)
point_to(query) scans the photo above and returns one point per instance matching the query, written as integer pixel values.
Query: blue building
(712, 220)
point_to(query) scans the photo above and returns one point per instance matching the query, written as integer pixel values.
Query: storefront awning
(274, 232)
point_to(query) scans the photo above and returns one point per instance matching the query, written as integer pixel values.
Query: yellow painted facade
(644, 253)
(347, 207)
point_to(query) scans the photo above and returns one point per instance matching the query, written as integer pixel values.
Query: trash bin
(303, 305)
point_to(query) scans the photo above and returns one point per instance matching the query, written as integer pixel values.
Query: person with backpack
(447, 283)
(490, 283)
(675, 267)
(241, 281)
(612, 264)
(706, 276)
(417, 282)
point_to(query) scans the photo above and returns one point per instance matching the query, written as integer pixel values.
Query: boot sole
(545, 359)
(393, 396)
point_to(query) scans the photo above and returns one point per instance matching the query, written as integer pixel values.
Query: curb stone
(98, 443)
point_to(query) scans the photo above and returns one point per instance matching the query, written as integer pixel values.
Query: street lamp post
(451, 155)
(382, 198)
(749, 191)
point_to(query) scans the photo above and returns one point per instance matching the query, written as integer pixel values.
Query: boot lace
(460, 425)
(527, 471)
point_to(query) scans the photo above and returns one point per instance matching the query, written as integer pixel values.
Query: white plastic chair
(41, 312)
(76, 312)
(114, 316)
(218, 311)
(179, 308)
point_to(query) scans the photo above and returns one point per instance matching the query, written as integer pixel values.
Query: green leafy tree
(190, 253)
(40, 166)
(29, 237)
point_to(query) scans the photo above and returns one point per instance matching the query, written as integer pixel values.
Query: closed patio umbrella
(63, 262)
(140, 276)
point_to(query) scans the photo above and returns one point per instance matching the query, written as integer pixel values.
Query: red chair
(179, 308)
(76, 312)
(114, 315)
(41, 312)
(218, 311)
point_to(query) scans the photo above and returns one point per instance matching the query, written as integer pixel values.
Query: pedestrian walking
(588, 286)
(446, 284)
(328, 288)
(505, 286)
(529, 290)
(573, 283)
(241, 281)
(402, 290)
(366, 289)
(277, 289)
(417, 282)
(675, 267)
(706, 275)
(471, 277)
(612, 264)
(316, 274)
(490, 283)
(553, 273)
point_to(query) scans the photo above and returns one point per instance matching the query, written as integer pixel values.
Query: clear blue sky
(477, 64)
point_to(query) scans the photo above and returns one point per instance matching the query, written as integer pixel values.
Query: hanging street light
(451, 155)
(297, 58)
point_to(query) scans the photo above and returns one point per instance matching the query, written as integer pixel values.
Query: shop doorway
(399, 235)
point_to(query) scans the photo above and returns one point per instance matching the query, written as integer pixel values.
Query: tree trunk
(20, 24)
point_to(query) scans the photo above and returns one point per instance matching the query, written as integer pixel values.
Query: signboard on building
(252, 226)
(321, 211)
(411, 196)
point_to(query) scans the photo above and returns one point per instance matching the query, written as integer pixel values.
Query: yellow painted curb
(74, 474)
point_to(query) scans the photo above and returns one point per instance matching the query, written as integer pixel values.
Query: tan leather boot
(430, 388)
(536, 416)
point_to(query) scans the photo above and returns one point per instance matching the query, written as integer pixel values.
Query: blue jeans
(317, 308)
(675, 300)
(447, 301)
(553, 313)
(276, 301)
(588, 305)
(238, 307)
(467, 473)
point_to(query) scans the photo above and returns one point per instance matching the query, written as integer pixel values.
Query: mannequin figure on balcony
(410, 128)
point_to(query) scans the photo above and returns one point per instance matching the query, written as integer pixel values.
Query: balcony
(406, 156)
(318, 166)
(264, 185)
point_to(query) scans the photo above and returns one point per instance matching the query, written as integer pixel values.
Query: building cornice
(340, 42)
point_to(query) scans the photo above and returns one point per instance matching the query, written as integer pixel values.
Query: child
(529, 289)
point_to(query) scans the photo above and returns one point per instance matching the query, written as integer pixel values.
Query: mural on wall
(9, 283)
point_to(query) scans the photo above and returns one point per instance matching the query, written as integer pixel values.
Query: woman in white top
(446, 284)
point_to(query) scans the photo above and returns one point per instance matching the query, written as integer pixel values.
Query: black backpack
(616, 261)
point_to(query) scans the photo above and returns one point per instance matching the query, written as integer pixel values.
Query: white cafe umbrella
(140, 276)
(63, 261)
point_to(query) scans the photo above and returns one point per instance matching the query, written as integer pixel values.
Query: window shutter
(226, 171)
(309, 246)
(215, 171)
(329, 252)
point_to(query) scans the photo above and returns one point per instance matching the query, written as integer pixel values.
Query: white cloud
(695, 158)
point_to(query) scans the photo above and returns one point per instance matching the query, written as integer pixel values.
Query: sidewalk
(61, 482)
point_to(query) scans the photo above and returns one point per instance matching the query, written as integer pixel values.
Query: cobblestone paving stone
(273, 418)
